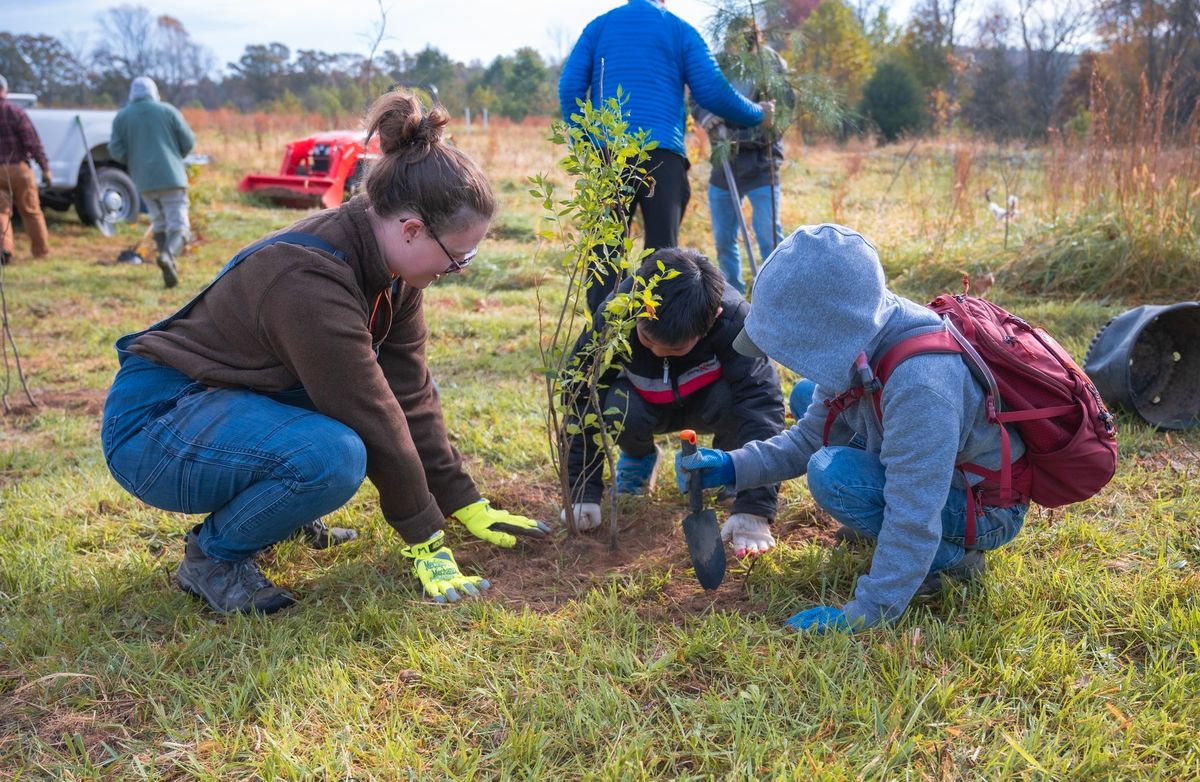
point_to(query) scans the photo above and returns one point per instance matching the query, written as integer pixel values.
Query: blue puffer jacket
(652, 54)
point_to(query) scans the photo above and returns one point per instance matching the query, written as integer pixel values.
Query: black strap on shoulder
(291, 237)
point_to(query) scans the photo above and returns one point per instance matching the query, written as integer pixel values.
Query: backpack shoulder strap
(940, 341)
(928, 339)
(950, 340)
(291, 237)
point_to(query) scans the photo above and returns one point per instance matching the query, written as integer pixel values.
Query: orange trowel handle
(695, 488)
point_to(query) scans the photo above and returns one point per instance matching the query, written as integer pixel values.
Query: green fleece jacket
(292, 316)
(151, 139)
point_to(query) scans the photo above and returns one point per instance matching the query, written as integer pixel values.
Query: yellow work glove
(435, 568)
(498, 526)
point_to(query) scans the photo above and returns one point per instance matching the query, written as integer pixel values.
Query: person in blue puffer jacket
(653, 55)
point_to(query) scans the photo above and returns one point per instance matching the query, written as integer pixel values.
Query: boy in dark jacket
(683, 373)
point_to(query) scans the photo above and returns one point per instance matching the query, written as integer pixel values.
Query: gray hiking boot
(169, 271)
(321, 536)
(969, 569)
(170, 246)
(229, 587)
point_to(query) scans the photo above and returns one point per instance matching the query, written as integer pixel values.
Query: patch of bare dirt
(86, 401)
(545, 575)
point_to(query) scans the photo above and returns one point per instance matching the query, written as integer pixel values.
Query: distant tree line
(1015, 74)
(268, 76)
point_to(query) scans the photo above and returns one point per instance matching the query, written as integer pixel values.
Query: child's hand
(820, 620)
(587, 515)
(749, 534)
(713, 467)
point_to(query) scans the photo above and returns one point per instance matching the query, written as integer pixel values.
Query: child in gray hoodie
(819, 302)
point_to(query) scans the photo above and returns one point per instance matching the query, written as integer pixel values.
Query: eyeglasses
(456, 264)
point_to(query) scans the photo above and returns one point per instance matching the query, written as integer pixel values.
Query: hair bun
(403, 126)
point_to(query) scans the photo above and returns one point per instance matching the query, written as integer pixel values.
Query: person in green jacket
(151, 138)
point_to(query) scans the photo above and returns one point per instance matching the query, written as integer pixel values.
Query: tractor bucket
(318, 170)
(295, 191)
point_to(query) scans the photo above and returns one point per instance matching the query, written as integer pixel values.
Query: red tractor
(321, 169)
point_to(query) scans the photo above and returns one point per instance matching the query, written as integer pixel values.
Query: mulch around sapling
(545, 575)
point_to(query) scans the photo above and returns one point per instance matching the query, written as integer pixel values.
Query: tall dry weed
(1123, 198)
(1056, 185)
(963, 203)
(851, 166)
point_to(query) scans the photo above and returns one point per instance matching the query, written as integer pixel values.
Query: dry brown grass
(923, 204)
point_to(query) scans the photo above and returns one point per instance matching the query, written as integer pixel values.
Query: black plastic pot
(1148, 360)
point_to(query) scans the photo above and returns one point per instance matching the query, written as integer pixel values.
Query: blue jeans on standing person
(260, 465)
(848, 483)
(727, 233)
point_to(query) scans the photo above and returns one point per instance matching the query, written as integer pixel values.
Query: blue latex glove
(715, 468)
(821, 619)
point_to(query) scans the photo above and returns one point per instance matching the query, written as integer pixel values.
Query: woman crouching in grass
(301, 369)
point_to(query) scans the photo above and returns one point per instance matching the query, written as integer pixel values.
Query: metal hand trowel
(700, 528)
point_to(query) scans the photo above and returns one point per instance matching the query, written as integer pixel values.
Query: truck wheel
(118, 197)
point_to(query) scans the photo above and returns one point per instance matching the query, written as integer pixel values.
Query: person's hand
(768, 118)
(749, 534)
(498, 526)
(47, 179)
(435, 568)
(821, 619)
(710, 123)
(587, 515)
(715, 468)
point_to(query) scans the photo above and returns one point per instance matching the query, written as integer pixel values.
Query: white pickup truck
(63, 139)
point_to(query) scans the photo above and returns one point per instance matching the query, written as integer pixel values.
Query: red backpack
(1030, 381)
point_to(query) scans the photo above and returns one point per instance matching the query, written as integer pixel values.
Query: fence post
(467, 112)
(485, 119)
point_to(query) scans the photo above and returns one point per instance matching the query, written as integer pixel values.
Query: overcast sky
(465, 29)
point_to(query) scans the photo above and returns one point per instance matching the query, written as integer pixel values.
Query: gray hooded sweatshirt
(151, 138)
(819, 300)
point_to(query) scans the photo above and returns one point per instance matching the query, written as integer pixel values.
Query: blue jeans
(848, 483)
(726, 233)
(260, 465)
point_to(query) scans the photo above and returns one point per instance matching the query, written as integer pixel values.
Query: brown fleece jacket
(289, 316)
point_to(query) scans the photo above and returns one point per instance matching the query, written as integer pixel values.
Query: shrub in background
(892, 100)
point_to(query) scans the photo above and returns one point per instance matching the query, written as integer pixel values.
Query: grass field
(1078, 658)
